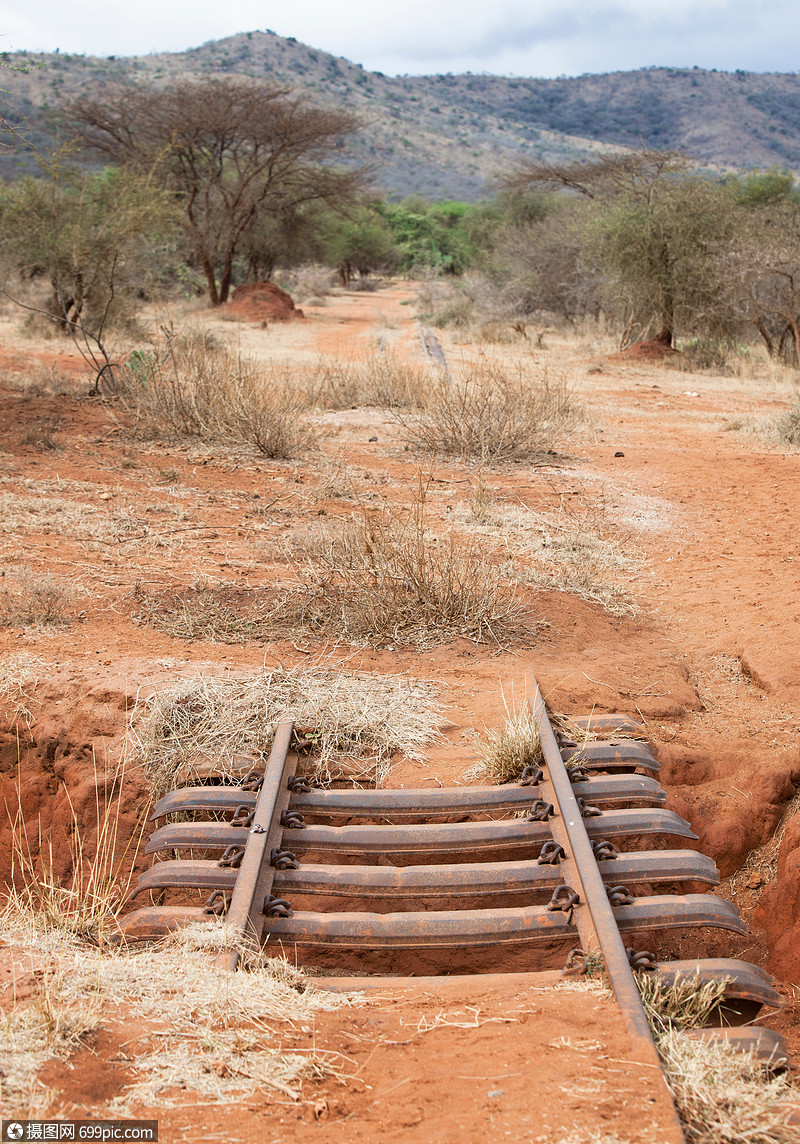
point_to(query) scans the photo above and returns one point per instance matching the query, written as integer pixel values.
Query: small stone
(495, 1093)
(373, 440)
(619, 454)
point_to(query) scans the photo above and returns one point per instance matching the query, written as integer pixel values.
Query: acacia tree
(90, 236)
(229, 149)
(766, 267)
(655, 232)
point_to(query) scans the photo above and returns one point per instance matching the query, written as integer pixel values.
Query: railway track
(567, 862)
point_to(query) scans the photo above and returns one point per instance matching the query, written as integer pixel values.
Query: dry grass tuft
(510, 750)
(193, 389)
(488, 413)
(686, 1003)
(34, 599)
(87, 902)
(355, 722)
(386, 576)
(724, 1096)
(19, 678)
(383, 380)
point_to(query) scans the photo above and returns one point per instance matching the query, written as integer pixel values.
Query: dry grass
(20, 673)
(509, 750)
(115, 521)
(787, 428)
(383, 380)
(196, 390)
(569, 550)
(198, 1029)
(87, 902)
(355, 722)
(34, 599)
(222, 613)
(31, 1035)
(686, 1003)
(386, 576)
(490, 413)
(723, 1096)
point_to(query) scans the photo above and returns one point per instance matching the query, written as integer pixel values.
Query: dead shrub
(383, 380)
(34, 599)
(787, 429)
(386, 576)
(191, 388)
(311, 281)
(487, 413)
(224, 613)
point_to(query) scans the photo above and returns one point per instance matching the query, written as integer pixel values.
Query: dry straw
(191, 388)
(354, 722)
(192, 1027)
(723, 1096)
(489, 413)
(385, 575)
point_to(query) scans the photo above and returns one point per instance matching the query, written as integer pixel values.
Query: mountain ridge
(446, 136)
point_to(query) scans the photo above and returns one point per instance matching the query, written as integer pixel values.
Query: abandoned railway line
(566, 865)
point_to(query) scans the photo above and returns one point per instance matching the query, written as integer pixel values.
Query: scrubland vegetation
(640, 244)
(188, 191)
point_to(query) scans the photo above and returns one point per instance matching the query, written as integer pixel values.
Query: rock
(261, 301)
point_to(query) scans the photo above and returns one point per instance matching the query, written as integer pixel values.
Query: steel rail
(254, 879)
(466, 838)
(473, 879)
(605, 790)
(601, 926)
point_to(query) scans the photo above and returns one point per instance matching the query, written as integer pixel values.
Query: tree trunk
(225, 281)
(759, 324)
(211, 279)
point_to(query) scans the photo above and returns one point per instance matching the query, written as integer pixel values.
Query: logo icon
(15, 1131)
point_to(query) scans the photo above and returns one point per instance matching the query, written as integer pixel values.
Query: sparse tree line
(214, 182)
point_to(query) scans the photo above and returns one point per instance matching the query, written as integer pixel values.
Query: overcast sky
(520, 37)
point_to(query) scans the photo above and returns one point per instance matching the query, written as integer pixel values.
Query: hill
(446, 135)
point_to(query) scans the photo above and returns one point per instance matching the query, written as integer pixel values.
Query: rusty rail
(597, 925)
(254, 880)
(536, 865)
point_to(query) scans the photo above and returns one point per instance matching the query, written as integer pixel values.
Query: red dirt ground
(712, 664)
